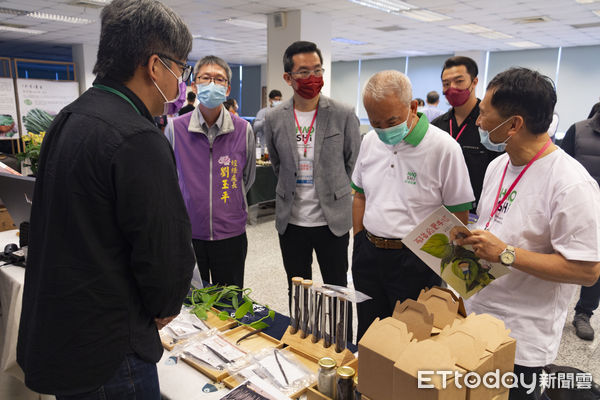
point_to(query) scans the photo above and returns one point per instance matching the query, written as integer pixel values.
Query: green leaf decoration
(259, 325)
(214, 298)
(438, 246)
(201, 313)
(243, 310)
(223, 315)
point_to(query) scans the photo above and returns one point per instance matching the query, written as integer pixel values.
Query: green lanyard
(114, 91)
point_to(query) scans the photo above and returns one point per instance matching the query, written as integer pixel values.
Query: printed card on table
(433, 242)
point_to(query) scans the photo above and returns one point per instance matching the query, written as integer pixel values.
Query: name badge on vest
(305, 173)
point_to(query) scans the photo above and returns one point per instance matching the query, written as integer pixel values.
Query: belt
(384, 243)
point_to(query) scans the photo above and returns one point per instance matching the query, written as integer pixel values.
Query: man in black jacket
(459, 80)
(582, 141)
(110, 255)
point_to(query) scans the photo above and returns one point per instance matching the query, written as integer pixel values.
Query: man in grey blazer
(313, 143)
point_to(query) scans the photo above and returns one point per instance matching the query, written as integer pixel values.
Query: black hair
(433, 97)
(420, 102)
(274, 93)
(132, 31)
(191, 96)
(229, 103)
(521, 91)
(594, 110)
(469, 64)
(298, 48)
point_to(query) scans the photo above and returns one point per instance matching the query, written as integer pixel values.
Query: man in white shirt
(538, 214)
(406, 169)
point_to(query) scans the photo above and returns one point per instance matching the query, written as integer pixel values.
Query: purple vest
(211, 180)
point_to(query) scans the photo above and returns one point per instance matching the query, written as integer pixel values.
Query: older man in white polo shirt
(405, 170)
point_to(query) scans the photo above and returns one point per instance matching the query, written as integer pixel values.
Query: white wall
(578, 86)
(425, 76)
(576, 74)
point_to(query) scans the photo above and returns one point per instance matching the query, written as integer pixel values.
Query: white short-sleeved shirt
(553, 208)
(406, 182)
(306, 210)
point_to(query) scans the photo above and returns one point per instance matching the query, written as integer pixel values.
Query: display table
(264, 185)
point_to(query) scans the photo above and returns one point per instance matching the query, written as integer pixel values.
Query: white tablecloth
(11, 295)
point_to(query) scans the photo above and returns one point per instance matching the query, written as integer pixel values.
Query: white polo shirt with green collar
(405, 182)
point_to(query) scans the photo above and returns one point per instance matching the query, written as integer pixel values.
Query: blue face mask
(488, 144)
(394, 134)
(211, 95)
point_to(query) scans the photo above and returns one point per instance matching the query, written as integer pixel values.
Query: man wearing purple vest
(215, 153)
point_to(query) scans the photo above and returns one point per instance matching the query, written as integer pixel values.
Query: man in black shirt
(110, 254)
(191, 98)
(459, 79)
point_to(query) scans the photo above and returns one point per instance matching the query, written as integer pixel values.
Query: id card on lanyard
(305, 166)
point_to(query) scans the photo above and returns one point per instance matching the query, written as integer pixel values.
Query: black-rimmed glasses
(186, 70)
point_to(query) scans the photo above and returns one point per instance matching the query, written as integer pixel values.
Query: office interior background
(560, 38)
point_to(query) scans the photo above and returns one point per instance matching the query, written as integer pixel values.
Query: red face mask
(309, 87)
(457, 97)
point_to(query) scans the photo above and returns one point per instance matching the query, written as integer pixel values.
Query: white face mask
(275, 103)
(169, 105)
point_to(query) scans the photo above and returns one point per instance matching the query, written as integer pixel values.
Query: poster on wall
(41, 100)
(9, 127)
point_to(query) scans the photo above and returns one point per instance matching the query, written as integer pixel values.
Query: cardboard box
(378, 350)
(6, 222)
(494, 334)
(434, 310)
(470, 355)
(426, 355)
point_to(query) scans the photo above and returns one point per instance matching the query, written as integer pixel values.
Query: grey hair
(132, 31)
(213, 60)
(388, 82)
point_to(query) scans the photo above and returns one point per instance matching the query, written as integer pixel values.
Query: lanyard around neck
(115, 91)
(309, 129)
(459, 133)
(497, 204)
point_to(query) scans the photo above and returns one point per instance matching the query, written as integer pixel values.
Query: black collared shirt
(477, 157)
(109, 245)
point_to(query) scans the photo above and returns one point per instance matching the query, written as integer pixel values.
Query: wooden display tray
(316, 350)
(212, 373)
(307, 361)
(253, 343)
(212, 321)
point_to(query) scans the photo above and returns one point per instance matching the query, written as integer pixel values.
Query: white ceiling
(349, 20)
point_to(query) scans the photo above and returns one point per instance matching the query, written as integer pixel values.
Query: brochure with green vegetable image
(433, 241)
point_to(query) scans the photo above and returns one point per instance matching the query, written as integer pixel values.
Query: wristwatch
(507, 257)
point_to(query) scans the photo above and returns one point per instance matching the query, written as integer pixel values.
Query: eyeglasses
(206, 79)
(305, 73)
(186, 70)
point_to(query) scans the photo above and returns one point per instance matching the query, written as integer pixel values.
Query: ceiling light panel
(246, 23)
(425, 15)
(495, 35)
(6, 28)
(524, 44)
(470, 28)
(214, 39)
(60, 18)
(390, 6)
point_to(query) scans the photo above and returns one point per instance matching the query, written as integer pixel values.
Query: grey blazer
(337, 143)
